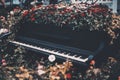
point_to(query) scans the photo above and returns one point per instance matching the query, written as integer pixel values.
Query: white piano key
(67, 54)
(79, 57)
(63, 53)
(75, 56)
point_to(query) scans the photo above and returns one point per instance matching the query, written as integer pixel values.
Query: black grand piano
(77, 45)
(65, 43)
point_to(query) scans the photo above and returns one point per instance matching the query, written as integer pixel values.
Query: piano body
(63, 42)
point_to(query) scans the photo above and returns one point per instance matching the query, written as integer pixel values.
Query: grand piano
(79, 46)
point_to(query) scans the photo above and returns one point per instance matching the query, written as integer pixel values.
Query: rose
(25, 13)
(3, 30)
(83, 14)
(51, 58)
(68, 75)
(4, 62)
(12, 12)
(33, 19)
(92, 62)
(33, 8)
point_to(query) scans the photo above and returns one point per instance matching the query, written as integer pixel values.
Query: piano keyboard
(53, 52)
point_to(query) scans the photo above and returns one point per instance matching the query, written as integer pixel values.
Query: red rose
(83, 14)
(25, 13)
(16, 9)
(4, 62)
(68, 75)
(92, 62)
(33, 9)
(32, 19)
